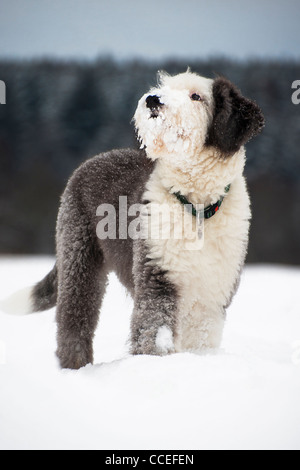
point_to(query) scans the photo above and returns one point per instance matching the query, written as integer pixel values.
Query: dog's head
(188, 113)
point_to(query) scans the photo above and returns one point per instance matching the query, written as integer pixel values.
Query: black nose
(153, 102)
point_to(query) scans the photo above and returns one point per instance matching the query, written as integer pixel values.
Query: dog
(192, 132)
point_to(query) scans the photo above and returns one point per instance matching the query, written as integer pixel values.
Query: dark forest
(57, 114)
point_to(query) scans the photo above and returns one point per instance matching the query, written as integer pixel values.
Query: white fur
(164, 340)
(205, 277)
(19, 303)
(180, 127)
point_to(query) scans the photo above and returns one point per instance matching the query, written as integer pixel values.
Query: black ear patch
(236, 119)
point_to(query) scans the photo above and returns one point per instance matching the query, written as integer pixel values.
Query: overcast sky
(149, 29)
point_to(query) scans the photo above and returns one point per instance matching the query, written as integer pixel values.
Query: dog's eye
(196, 97)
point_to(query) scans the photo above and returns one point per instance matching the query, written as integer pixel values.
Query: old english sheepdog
(192, 132)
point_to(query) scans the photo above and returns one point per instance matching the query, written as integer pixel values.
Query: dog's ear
(236, 119)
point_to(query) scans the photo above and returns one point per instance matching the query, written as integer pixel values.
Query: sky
(152, 30)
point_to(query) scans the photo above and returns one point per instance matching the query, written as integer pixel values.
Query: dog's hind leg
(82, 280)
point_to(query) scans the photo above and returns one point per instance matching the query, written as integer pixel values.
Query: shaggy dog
(192, 132)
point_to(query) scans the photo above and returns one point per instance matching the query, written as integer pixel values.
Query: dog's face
(188, 113)
(173, 119)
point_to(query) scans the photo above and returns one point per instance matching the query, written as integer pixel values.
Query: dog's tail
(42, 296)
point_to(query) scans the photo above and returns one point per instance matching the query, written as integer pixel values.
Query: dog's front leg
(153, 324)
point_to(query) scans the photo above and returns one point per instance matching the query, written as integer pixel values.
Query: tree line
(59, 113)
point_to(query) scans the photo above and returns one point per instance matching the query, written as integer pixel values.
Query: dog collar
(209, 211)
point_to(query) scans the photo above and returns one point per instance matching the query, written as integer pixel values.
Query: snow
(164, 339)
(244, 396)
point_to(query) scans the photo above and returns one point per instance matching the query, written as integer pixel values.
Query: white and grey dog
(193, 132)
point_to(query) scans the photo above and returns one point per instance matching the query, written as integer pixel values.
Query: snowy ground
(245, 396)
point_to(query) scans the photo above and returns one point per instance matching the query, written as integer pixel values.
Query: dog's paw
(74, 355)
(159, 343)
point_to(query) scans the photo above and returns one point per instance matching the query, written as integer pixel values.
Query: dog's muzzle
(154, 104)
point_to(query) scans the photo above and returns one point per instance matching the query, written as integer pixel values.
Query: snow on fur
(179, 129)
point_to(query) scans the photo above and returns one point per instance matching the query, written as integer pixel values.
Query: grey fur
(78, 281)
(44, 294)
(84, 261)
(155, 303)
